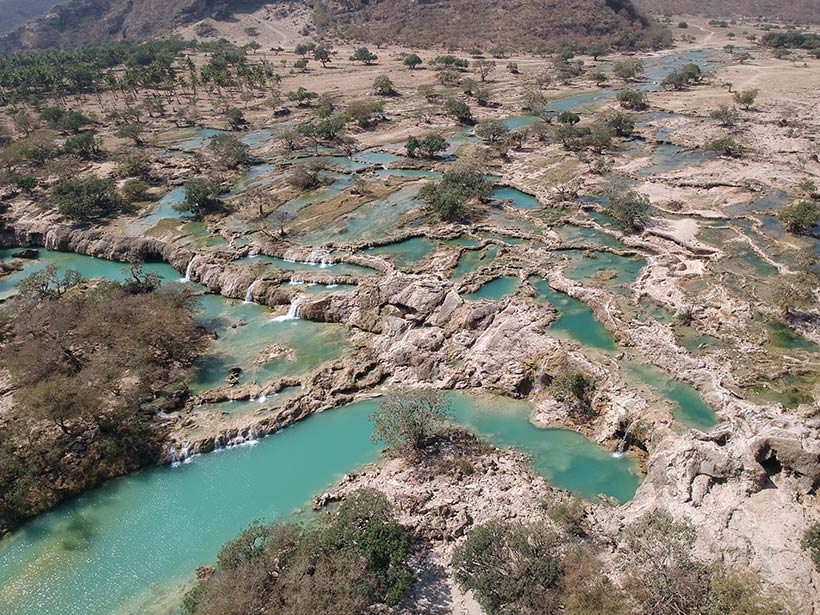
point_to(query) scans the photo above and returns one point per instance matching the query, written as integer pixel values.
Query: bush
(746, 98)
(135, 190)
(406, 419)
(575, 389)
(628, 70)
(725, 146)
(364, 112)
(383, 86)
(86, 199)
(459, 110)
(492, 131)
(364, 55)
(347, 563)
(811, 543)
(411, 61)
(799, 217)
(727, 116)
(450, 197)
(622, 124)
(229, 151)
(629, 208)
(511, 567)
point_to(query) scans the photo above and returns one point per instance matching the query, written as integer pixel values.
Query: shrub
(429, 146)
(229, 151)
(634, 100)
(629, 208)
(411, 61)
(383, 86)
(628, 70)
(725, 146)
(811, 543)
(459, 110)
(727, 116)
(799, 217)
(364, 55)
(134, 190)
(492, 131)
(449, 197)
(364, 112)
(511, 567)
(746, 98)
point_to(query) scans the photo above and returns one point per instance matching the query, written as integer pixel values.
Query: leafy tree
(132, 131)
(229, 151)
(364, 112)
(86, 199)
(320, 54)
(575, 389)
(406, 419)
(484, 68)
(364, 55)
(134, 190)
(306, 175)
(568, 117)
(511, 567)
(793, 292)
(412, 60)
(302, 97)
(622, 124)
(428, 146)
(635, 100)
(492, 131)
(83, 145)
(746, 98)
(50, 283)
(383, 86)
(727, 116)
(687, 75)
(301, 64)
(629, 208)
(599, 77)
(598, 51)
(302, 49)
(800, 217)
(62, 119)
(235, 118)
(513, 68)
(201, 197)
(449, 61)
(449, 197)
(459, 110)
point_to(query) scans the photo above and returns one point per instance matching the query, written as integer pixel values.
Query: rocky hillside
(78, 22)
(518, 24)
(795, 10)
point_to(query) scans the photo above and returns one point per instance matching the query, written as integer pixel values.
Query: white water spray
(249, 292)
(188, 270)
(293, 311)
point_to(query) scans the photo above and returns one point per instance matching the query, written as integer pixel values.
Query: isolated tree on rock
(406, 419)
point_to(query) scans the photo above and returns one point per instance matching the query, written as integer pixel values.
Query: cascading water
(188, 270)
(293, 311)
(249, 292)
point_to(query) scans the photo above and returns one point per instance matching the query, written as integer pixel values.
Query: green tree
(302, 97)
(86, 199)
(484, 68)
(320, 54)
(134, 190)
(50, 283)
(236, 119)
(406, 419)
(492, 131)
(229, 151)
(83, 145)
(635, 100)
(364, 55)
(201, 198)
(428, 146)
(132, 131)
(628, 70)
(449, 198)
(746, 98)
(622, 124)
(459, 110)
(412, 60)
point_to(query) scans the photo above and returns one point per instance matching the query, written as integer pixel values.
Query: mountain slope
(793, 10)
(515, 24)
(14, 13)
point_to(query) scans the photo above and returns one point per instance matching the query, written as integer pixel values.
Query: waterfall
(249, 292)
(619, 450)
(188, 270)
(262, 398)
(293, 311)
